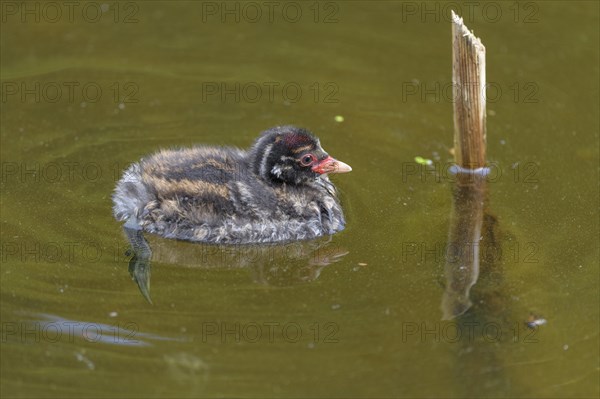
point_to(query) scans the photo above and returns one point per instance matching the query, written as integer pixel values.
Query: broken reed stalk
(470, 191)
(468, 79)
(473, 231)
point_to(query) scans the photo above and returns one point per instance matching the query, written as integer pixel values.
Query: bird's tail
(130, 196)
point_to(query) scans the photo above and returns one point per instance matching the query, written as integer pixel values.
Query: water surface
(359, 316)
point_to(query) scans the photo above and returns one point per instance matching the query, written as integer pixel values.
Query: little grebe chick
(277, 191)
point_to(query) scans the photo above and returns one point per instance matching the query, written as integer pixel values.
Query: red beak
(331, 165)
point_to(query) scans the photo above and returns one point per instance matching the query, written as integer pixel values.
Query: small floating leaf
(423, 161)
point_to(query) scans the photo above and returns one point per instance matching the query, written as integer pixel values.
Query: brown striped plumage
(276, 191)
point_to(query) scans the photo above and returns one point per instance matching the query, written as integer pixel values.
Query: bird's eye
(307, 159)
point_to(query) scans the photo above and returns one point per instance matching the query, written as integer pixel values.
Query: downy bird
(276, 191)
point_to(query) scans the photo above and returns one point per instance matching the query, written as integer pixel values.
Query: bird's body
(270, 193)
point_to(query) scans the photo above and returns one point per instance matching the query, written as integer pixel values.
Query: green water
(288, 321)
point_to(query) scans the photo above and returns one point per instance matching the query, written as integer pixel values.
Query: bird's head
(287, 154)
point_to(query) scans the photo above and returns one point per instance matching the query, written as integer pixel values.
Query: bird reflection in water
(272, 264)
